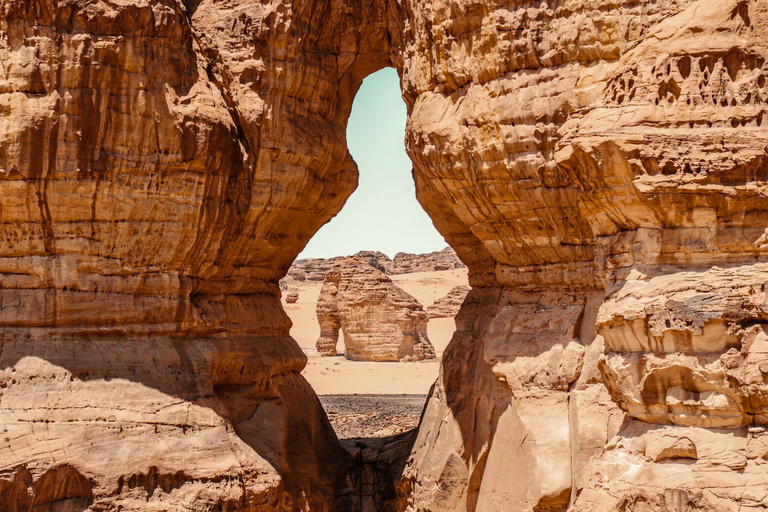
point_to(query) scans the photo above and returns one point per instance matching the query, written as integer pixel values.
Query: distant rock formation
(406, 263)
(380, 321)
(448, 306)
(287, 284)
(314, 269)
(292, 298)
(600, 166)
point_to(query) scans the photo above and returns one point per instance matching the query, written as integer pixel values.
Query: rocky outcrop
(406, 263)
(161, 164)
(620, 164)
(598, 166)
(380, 321)
(689, 348)
(314, 269)
(292, 298)
(448, 306)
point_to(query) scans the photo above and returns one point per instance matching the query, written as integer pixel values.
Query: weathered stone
(613, 144)
(449, 305)
(406, 263)
(154, 186)
(686, 348)
(599, 166)
(292, 298)
(380, 321)
(314, 269)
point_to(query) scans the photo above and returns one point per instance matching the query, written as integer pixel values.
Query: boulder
(380, 321)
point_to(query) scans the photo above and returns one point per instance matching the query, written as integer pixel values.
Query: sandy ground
(337, 376)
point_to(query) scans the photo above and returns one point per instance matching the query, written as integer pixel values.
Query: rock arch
(164, 162)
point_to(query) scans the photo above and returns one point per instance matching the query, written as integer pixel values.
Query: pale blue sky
(382, 214)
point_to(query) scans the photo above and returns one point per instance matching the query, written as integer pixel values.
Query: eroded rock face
(314, 269)
(599, 166)
(689, 348)
(161, 165)
(380, 321)
(406, 263)
(448, 306)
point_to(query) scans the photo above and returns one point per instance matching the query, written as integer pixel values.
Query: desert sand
(338, 376)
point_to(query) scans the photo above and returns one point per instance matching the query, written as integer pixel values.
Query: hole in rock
(669, 169)
(380, 338)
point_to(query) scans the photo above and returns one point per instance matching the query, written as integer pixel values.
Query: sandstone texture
(292, 298)
(600, 167)
(448, 306)
(615, 256)
(314, 269)
(155, 159)
(380, 321)
(407, 263)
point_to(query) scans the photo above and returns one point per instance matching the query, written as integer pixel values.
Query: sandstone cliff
(619, 151)
(380, 321)
(161, 165)
(599, 167)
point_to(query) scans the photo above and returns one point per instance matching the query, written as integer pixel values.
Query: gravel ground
(365, 416)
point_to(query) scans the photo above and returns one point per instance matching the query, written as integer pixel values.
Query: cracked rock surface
(380, 321)
(600, 167)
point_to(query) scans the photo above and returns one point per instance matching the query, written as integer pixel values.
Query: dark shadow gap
(381, 216)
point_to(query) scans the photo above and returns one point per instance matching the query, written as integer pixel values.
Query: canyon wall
(161, 166)
(599, 166)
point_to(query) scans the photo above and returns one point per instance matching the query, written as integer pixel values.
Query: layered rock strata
(380, 321)
(314, 269)
(161, 165)
(615, 255)
(407, 263)
(448, 305)
(598, 166)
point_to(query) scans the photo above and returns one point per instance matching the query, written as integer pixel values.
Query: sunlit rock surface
(161, 165)
(448, 305)
(379, 320)
(599, 167)
(314, 269)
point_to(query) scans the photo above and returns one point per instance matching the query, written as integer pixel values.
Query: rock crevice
(598, 166)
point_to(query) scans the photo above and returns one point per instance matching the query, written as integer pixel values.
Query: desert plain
(337, 375)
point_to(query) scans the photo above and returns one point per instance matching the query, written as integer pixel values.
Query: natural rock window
(362, 320)
(599, 166)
